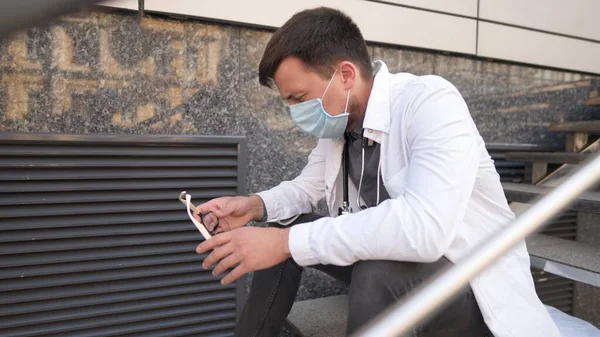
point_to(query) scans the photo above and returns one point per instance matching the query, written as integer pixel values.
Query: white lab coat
(446, 197)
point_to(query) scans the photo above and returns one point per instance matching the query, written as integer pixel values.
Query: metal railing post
(402, 318)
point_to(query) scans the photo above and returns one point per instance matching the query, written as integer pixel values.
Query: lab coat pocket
(396, 183)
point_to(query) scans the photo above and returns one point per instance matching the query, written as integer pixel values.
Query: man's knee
(375, 281)
(386, 274)
(389, 280)
(373, 288)
(370, 274)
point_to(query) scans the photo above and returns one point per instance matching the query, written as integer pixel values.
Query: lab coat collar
(377, 115)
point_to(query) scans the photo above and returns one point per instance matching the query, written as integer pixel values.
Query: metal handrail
(402, 318)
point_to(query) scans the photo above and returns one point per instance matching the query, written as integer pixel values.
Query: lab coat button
(326, 187)
(370, 130)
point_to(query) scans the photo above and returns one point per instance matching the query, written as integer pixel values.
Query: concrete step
(525, 193)
(321, 317)
(574, 260)
(548, 157)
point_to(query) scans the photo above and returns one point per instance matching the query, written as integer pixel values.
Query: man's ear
(349, 74)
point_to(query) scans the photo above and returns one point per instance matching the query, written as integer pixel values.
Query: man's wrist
(257, 207)
(286, 242)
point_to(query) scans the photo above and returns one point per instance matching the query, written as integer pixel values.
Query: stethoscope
(345, 208)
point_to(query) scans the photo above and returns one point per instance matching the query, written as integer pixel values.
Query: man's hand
(233, 212)
(248, 248)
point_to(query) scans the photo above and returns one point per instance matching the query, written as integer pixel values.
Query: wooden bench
(577, 133)
(548, 157)
(525, 193)
(593, 101)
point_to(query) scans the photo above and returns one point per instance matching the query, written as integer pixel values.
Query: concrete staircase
(570, 258)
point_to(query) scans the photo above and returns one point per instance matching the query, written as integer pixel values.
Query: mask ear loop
(328, 84)
(347, 101)
(327, 88)
(201, 228)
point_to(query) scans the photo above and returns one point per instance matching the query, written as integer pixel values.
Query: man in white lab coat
(421, 185)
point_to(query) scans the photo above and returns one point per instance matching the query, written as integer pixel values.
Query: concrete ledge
(577, 261)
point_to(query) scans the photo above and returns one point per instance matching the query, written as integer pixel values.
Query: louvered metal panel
(553, 290)
(93, 241)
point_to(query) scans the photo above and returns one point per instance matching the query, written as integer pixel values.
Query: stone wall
(117, 73)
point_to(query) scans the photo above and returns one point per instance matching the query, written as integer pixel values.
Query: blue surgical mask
(311, 117)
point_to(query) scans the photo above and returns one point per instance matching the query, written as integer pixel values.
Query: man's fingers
(228, 262)
(235, 274)
(217, 255)
(205, 207)
(215, 241)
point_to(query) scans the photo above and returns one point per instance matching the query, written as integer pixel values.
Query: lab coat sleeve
(419, 225)
(292, 198)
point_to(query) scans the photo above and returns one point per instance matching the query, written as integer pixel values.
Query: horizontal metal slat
(507, 165)
(510, 171)
(46, 198)
(560, 227)
(562, 283)
(559, 303)
(566, 308)
(104, 276)
(92, 266)
(46, 246)
(113, 298)
(62, 173)
(222, 328)
(96, 254)
(57, 292)
(568, 216)
(515, 179)
(221, 319)
(564, 222)
(93, 231)
(565, 235)
(557, 296)
(39, 318)
(39, 150)
(130, 322)
(62, 221)
(111, 185)
(26, 138)
(211, 334)
(72, 162)
(98, 208)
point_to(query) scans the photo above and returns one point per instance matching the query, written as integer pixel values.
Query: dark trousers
(374, 286)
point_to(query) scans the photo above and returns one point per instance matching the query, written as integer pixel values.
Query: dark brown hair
(319, 37)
